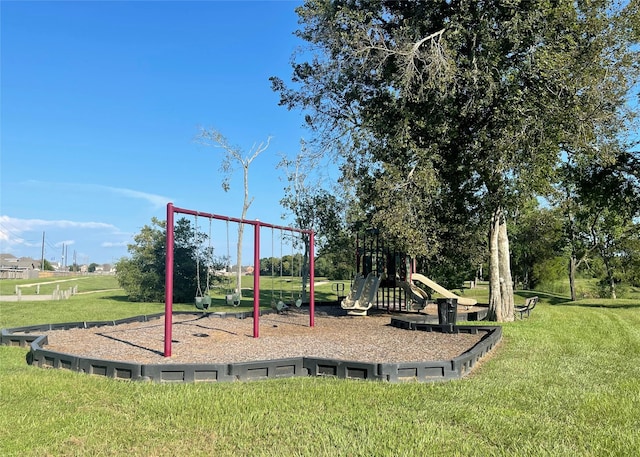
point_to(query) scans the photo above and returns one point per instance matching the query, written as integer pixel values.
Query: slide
(417, 297)
(364, 297)
(355, 292)
(442, 291)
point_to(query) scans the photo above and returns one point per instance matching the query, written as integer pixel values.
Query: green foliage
(446, 113)
(549, 270)
(630, 260)
(335, 266)
(142, 275)
(536, 238)
(287, 265)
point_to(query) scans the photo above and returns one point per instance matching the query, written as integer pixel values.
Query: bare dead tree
(233, 155)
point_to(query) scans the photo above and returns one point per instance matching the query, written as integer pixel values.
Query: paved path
(12, 298)
(52, 282)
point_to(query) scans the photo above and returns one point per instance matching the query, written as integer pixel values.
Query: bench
(528, 306)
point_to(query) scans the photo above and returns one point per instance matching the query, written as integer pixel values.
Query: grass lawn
(565, 381)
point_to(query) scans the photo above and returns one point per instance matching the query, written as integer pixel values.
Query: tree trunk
(500, 281)
(610, 279)
(245, 207)
(572, 276)
(612, 286)
(506, 281)
(239, 257)
(495, 291)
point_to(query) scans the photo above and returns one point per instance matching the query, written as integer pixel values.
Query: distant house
(12, 267)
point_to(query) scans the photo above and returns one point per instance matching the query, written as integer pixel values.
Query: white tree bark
(506, 281)
(495, 291)
(500, 280)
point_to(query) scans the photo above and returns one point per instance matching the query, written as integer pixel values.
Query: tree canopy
(450, 114)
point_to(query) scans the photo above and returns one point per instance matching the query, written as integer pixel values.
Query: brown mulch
(208, 339)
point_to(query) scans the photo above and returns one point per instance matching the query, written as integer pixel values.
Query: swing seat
(233, 299)
(203, 303)
(298, 302)
(279, 306)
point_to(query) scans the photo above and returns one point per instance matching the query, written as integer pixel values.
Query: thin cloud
(111, 244)
(15, 225)
(12, 229)
(157, 201)
(64, 243)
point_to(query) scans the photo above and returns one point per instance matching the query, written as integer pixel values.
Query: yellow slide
(442, 291)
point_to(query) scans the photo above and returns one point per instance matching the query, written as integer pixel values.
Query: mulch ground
(201, 338)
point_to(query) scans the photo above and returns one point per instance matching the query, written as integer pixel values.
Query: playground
(353, 340)
(220, 347)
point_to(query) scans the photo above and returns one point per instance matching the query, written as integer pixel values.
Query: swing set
(280, 305)
(203, 301)
(203, 298)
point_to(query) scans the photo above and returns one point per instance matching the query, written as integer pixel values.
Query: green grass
(564, 382)
(587, 288)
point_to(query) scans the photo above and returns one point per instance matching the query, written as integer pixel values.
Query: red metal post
(168, 283)
(312, 289)
(256, 280)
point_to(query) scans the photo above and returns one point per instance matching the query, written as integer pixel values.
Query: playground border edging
(421, 371)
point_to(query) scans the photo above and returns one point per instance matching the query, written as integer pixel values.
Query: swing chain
(199, 290)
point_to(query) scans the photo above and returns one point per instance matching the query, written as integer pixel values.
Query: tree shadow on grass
(559, 300)
(551, 299)
(119, 298)
(606, 303)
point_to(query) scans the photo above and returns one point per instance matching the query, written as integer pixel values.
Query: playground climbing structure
(399, 287)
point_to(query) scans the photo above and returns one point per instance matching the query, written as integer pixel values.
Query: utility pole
(42, 257)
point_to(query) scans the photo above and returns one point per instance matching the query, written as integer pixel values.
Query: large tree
(314, 208)
(454, 112)
(599, 219)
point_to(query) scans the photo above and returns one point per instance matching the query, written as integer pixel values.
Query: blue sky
(101, 103)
